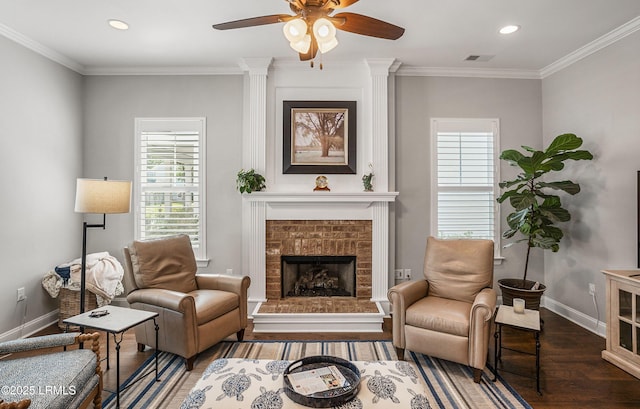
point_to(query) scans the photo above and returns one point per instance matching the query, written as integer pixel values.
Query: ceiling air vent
(479, 58)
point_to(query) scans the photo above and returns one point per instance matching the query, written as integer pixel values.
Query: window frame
(467, 125)
(169, 124)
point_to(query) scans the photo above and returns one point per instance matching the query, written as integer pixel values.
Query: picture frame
(319, 137)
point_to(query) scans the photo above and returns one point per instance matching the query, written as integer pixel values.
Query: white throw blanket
(103, 277)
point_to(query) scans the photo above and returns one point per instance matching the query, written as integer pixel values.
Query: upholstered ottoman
(245, 383)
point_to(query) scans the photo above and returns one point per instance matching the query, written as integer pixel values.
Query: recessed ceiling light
(509, 29)
(119, 24)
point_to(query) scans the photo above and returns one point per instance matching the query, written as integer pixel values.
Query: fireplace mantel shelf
(365, 198)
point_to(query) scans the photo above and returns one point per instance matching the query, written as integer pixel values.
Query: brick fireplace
(318, 238)
(328, 224)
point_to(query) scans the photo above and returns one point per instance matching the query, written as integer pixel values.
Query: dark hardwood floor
(573, 375)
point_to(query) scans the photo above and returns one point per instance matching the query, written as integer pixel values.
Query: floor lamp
(99, 196)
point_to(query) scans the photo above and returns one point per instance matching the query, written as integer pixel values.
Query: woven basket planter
(70, 305)
(513, 288)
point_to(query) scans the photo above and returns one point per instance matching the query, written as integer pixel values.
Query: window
(169, 184)
(465, 179)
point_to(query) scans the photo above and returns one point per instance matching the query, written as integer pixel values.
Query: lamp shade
(103, 196)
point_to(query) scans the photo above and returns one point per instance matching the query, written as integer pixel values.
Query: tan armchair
(195, 311)
(448, 314)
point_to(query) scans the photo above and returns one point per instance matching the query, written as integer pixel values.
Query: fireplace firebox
(318, 276)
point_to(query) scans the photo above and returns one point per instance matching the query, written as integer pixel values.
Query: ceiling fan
(313, 28)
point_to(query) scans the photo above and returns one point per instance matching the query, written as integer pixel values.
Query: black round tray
(331, 397)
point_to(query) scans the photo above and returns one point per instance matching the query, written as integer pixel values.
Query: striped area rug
(450, 385)
(146, 393)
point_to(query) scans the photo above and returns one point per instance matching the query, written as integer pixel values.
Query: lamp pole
(83, 267)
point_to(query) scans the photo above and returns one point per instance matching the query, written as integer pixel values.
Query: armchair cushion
(458, 269)
(68, 379)
(166, 263)
(52, 380)
(211, 304)
(440, 315)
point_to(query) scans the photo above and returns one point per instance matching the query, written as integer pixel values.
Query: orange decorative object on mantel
(322, 183)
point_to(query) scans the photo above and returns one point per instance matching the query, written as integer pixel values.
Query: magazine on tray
(317, 380)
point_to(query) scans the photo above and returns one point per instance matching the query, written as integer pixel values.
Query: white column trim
(254, 143)
(379, 70)
(380, 253)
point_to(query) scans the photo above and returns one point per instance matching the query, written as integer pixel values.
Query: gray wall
(40, 159)
(112, 103)
(598, 98)
(517, 103)
(56, 125)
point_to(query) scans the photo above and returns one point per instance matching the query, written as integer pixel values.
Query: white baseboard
(598, 327)
(31, 327)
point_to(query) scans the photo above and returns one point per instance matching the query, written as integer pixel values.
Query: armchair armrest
(169, 299)
(404, 294)
(233, 284)
(46, 341)
(482, 312)
(401, 297)
(485, 304)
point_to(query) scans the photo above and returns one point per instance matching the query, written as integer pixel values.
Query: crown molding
(43, 50)
(602, 42)
(168, 70)
(406, 71)
(596, 45)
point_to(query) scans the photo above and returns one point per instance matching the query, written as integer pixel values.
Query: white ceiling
(177, 35)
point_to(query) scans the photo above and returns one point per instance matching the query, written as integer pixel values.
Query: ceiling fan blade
(368, 26)
(253, 21)
(313, 50)
(338, 4)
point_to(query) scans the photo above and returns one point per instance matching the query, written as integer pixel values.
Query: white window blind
(170, 180)
(464, 179)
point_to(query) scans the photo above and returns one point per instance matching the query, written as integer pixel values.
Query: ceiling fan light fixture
(303, 45)
(327, 45)
(295, 30)
(324, 30)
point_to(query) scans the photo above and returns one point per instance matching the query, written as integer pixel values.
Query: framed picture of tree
(319, 137)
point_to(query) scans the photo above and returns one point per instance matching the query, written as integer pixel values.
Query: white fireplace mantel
(321, 197)
(320, 205)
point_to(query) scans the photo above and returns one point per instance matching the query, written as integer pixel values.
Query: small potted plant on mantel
(248, 181)
(536, 211)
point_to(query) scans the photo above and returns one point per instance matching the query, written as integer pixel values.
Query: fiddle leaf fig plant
(535, 209)
(248, 181)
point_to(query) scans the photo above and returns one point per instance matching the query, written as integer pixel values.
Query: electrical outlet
(398, 272)
(230, 271)
(592, 289)
(407, 273)
(21, 294)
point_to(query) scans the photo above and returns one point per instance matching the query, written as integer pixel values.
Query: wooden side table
(529, 321)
